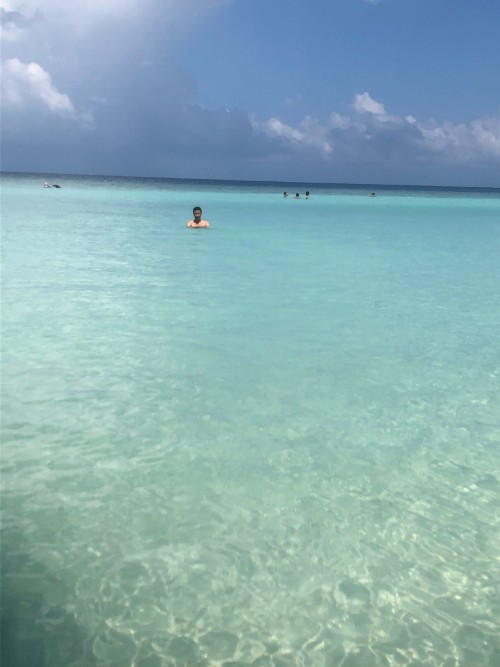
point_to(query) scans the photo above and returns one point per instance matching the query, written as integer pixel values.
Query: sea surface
(274, 443)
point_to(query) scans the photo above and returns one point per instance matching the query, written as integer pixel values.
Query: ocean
(275, 442)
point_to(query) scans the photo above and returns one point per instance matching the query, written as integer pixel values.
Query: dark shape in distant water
(55, 185)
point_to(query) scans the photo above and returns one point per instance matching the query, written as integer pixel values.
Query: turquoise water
(274, 442)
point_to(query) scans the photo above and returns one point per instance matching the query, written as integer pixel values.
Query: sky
(337, 91)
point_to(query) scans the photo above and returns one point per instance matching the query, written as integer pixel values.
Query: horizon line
(250, 181)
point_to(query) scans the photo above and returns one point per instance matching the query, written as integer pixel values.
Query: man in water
(197, 221)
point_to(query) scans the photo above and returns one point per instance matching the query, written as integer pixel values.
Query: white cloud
(486, 132)
(25, 83)
(363, 103)
(371, 133)
(339, 122)
(310, 134)
(463, 142)
(95, 49)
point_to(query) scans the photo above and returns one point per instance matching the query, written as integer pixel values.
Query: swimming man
(197, 221)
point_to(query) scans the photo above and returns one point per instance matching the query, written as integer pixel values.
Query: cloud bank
(369, 131)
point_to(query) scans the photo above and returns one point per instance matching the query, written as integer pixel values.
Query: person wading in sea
(197, 221)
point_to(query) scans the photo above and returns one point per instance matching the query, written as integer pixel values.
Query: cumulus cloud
(96, 50)
(486, 133)
(371, 134)
(28, 81)
(29, 86)
(363, 103)
(310, 134)
(461, 141)
(339, 122)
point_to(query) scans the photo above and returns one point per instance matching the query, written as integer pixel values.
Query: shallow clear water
(274, 442)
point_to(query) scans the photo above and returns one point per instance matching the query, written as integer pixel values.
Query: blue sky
(351, 91)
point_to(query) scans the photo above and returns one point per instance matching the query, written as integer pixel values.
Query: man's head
(197, 213)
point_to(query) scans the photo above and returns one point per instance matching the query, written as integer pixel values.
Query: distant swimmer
(297, 196)
(307, 195)
(373, 194)
(285, 194)
(197, 221)
(46, 185)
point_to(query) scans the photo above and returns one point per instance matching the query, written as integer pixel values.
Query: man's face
(197, 214)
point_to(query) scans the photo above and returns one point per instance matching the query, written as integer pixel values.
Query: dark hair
(197, 208)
